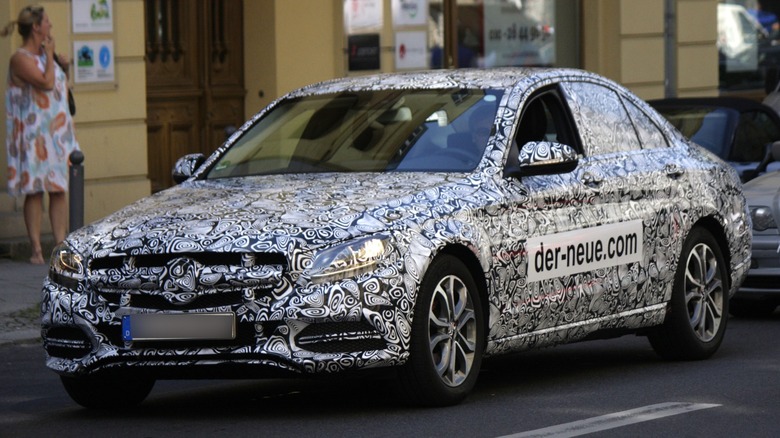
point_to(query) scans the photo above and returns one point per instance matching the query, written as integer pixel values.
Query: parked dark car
(760, 293)
(738, 130)
(414, 222)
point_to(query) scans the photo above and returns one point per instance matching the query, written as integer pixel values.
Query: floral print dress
(40, 134)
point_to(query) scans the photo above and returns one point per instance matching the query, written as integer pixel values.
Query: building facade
(185, 71)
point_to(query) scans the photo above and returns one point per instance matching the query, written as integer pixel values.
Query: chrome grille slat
(183, 279)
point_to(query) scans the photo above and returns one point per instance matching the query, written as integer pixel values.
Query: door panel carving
(194, 79)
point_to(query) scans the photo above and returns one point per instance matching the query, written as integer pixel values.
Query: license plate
(178, 326)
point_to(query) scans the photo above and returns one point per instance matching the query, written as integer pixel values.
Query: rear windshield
(367, 131)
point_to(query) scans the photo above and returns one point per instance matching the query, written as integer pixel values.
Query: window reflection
(498, 33)
(748, 44)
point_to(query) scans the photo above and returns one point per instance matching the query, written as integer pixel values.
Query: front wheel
(448, 336)
(107, 393)
(696, 322)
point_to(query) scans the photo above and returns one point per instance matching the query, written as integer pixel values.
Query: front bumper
(328, 328)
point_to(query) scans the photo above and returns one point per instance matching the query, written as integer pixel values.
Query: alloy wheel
(452, 330)
(704, 292)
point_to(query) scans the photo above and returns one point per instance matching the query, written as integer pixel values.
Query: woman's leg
(58, 215)
(33, 210)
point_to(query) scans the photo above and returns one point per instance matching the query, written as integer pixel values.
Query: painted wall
(630, 49)
(110, 120)
(289, 44)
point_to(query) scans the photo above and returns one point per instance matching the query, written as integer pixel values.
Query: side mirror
(543, 158)
(186, 166)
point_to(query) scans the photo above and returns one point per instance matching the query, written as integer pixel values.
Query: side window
(601, 119)
(543, 119)
(650, 134)
(754, 132)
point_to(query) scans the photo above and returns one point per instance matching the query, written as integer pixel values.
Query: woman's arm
(24, 69)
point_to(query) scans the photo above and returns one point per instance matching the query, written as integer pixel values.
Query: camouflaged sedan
(415, 222)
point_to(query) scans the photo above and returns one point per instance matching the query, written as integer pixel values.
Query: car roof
(497, 78)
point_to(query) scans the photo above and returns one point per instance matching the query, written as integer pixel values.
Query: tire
(698, 310)
(107, 393)
(752, 308)
(448, 336)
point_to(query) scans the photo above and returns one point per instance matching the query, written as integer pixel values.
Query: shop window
(500, 33)
(748, 44)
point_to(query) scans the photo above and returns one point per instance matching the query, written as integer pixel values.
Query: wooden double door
(194, 79)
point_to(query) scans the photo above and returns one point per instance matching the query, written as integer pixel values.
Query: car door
(643, 182)
(581, 232)
(555, 224)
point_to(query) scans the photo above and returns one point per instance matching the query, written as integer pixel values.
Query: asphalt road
(736, 393)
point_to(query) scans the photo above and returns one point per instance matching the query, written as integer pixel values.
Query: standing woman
(40, 134)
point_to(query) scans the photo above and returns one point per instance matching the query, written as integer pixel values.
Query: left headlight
(348, 259)
(762, 217)
(67, 266)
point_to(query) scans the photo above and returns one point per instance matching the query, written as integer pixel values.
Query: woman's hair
(30, 15)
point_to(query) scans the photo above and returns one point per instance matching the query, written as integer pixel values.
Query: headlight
(66, 267)
(762, 218)
(347, 260)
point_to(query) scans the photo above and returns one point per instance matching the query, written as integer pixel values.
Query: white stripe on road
(611, 421)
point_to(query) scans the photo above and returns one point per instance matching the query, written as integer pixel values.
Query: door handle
(674, 170)
(591, 180)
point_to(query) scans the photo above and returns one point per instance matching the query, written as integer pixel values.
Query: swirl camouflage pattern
(386, 221)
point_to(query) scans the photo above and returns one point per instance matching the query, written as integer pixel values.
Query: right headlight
(67, 266)
(762, 217)
(348, 259)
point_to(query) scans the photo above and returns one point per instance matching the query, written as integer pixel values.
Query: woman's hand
(48, 46)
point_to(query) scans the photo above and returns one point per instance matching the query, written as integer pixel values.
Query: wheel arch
(467, 256)
(711, 224)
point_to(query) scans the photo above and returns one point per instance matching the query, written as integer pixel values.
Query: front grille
(205, 258)
(186, 281)
(340, 337)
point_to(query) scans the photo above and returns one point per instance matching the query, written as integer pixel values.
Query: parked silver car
(760, 293)
(415, 222)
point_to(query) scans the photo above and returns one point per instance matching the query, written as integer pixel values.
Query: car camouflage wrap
(322, 271)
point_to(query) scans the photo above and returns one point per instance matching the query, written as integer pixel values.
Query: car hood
(269, 213)
(763, 190)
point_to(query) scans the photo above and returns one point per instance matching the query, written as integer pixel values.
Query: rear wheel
(107, 393)
(696, 322)
(448, 336)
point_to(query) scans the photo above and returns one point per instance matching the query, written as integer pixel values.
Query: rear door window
(601, 119)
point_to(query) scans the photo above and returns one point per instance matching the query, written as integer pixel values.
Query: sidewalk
(20, 297)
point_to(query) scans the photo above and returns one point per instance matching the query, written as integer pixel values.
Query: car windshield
(708, 127)
(366, 131)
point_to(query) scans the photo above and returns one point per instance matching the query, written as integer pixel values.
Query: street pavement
(20, 297)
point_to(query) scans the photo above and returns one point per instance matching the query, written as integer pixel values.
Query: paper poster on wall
(93, 61)
(93, 16)
(411, 50)
(362, 15)
(410, 12)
